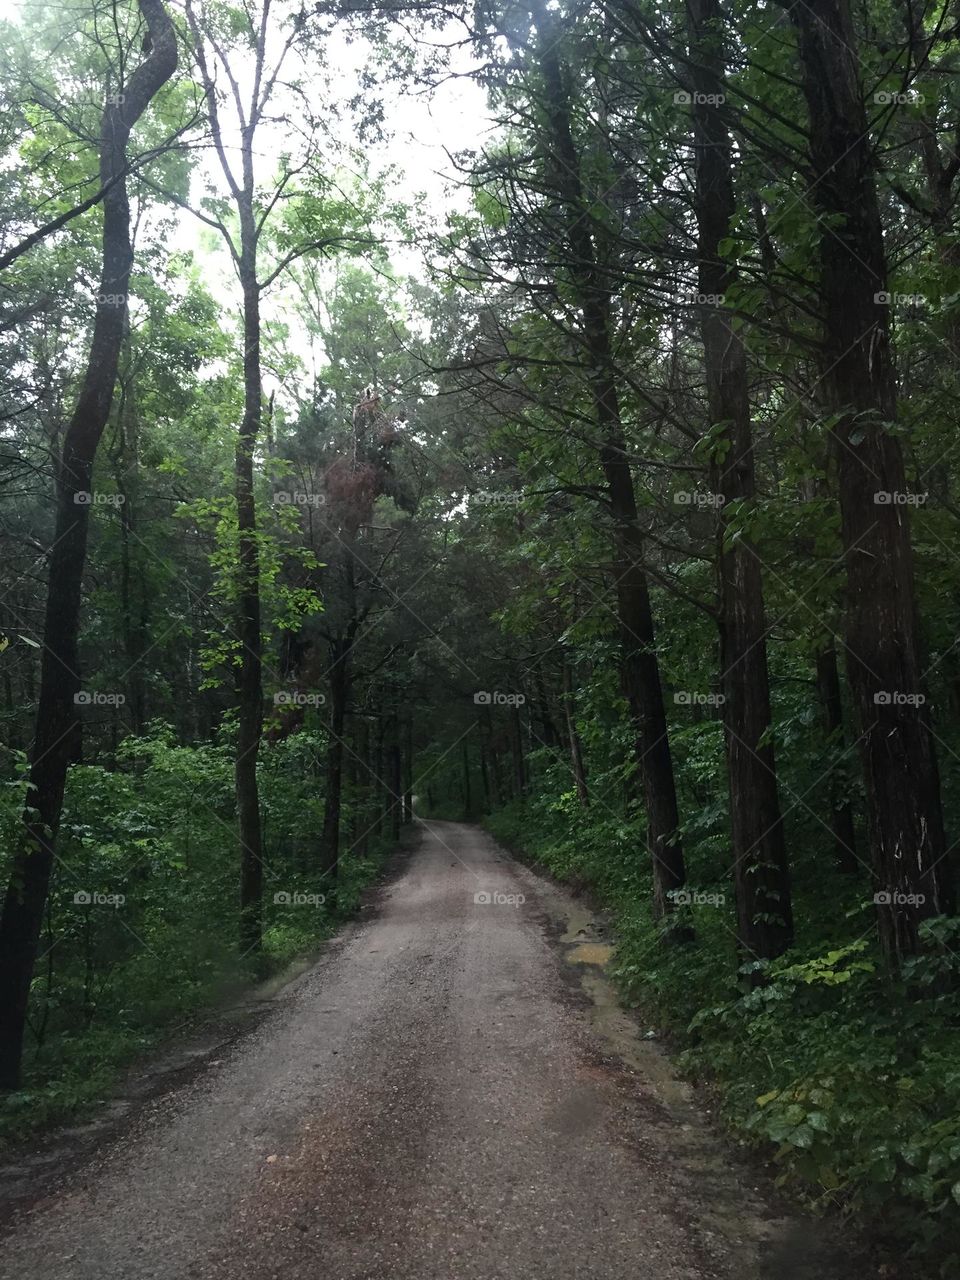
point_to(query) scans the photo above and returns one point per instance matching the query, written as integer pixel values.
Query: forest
(589, 477)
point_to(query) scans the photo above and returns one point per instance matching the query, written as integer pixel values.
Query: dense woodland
(611, 500)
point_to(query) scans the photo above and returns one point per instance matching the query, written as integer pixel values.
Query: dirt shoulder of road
(747, 1211)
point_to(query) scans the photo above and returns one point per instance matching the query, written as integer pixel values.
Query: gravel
(429, 1101)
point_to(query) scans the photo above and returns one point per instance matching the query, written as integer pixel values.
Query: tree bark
(486, 727)
(378, 790)
(408, 768)
(484, 777)
(841, 811)
(340, 651)
(912, 874)
(760, 873)
(516, 752)
(249, 683)
(361, 830)
(57, 726)
(395, 781)
(573, 739)
(465, 787)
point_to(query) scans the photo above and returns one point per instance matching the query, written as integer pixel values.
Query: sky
(422, 128)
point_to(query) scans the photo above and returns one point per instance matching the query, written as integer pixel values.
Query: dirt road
(450, 1094)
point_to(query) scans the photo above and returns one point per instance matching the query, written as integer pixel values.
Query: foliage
(141, 917)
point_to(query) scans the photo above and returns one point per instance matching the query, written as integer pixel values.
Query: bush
(143, 902)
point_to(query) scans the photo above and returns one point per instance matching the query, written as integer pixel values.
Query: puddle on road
(598, 953)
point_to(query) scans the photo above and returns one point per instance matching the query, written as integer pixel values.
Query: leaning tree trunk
(640, 668)
(57, 726)
(904, 816)
(761, 877)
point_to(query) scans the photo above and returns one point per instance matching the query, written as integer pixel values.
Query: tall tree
(270, 32)
(761, 877)
(905, 822)
(56, 739)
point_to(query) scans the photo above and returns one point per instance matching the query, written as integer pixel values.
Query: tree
(911, 868)
(310, 229)
(761, 877)
(56, 739)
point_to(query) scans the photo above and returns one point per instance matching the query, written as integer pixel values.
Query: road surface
(449, 1094)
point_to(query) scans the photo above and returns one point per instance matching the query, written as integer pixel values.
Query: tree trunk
(57, 726)
(516, 754)
(361, 829)
(905, 825)
(340, 651)
(396, 778)
(408, 769)
(465, 780)
(133, 612)
(841, 811)
(760, 874)
(484, 776)
(378, 789)
(486, 727)
(249, 684)
(640, 669)
(549, 737)
(573, 738)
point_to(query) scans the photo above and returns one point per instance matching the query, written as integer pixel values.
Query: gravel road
(449, 1094)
